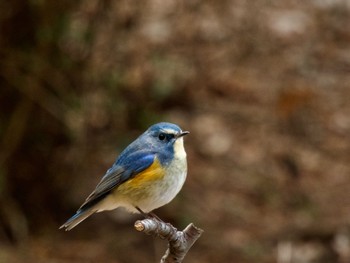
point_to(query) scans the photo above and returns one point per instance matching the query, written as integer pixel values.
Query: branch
(179, 242)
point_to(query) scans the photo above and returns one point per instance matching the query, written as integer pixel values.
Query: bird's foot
(149, 215)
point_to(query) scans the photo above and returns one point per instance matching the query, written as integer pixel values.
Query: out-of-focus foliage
(263, 86)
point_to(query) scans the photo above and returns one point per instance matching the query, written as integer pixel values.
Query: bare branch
(179, 242)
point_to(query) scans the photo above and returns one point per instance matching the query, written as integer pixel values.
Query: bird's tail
(80, 215)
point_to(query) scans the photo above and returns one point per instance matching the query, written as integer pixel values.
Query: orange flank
(149, 175)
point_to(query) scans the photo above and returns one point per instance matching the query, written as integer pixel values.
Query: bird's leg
(155, 216)
(149, 215)
(141, 212)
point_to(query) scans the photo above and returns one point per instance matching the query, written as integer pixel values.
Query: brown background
(263, 87)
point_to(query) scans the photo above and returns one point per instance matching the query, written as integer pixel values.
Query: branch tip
(139, 226)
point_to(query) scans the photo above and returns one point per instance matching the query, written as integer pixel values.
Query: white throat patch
(179, 149)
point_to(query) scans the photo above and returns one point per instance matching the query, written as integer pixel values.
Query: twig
(179, 242)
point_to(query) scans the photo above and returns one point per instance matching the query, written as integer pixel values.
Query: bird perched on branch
(148, 174)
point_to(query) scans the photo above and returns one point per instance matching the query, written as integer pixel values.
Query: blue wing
(118, 174)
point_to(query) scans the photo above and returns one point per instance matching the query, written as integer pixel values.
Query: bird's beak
(183, 133)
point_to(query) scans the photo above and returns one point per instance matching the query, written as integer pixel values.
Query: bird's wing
(118, 174)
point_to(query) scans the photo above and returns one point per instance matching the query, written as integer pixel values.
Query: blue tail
(80, 215)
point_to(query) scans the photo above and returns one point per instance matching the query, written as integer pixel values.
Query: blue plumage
(158, 142)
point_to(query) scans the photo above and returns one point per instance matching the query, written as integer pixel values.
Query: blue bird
(148, 174)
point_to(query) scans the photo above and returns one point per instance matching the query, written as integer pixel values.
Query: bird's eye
(161, 136)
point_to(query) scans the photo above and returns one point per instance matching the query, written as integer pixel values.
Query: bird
(148, 174)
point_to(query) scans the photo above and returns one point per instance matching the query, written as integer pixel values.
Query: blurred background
(263, 87)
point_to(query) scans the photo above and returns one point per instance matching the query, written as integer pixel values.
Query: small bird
(148, 174)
